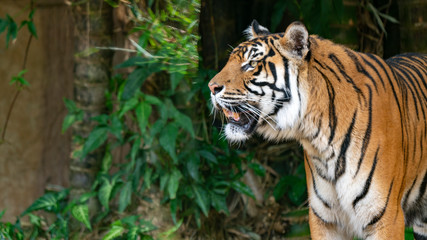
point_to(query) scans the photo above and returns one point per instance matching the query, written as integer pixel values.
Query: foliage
(165, 133)
(11, 34)
(315, 14)
(9, 25)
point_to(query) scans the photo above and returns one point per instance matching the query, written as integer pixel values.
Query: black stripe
(368, 131)
(232, 93)
(271, 53)
(317, 215)
(257, 72)
(325, 203)
(341, 161)
(417, 88)
(328, 68)
(418, 236)
(403, 127)
(368, 181)
(340, 67)
(231, 98)
(375, 69)
(252, 91)
(360, 68)
(398, 71)
(319, 125)
(405, 198)
(422, 189)
(332, 114)
(286, 65)
(272, 67)
(378, 217)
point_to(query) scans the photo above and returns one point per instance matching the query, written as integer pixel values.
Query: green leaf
(12, 30)
(185, 122)
(85, 197)
(153, 100)
(132, 233)
(112, 3)
(258, 169)
(202, 199)
(35, 220)
(96, 138)
(128, 105)
(219, 202)
(137, 78)
(173, 208)
(172, 230)
(377, 17)
(297, 191)
(175, 79)
(81, 213)
(147, 177)
(281, 187)
(173, 184)
(106, 162)
(31, 14)
(3, 25)
(388, 17)
(115, 231)
(70, 105)
(168, 140)
(242, 188)
(146, 226)
(32, 29)
(143, 112)
(70, 119)
(193, 164)
(163, 180)
(2, 213)
(47, 202)
(132, 62)
(22, 72)
(125, 196)
(104, 192)
(208, 156)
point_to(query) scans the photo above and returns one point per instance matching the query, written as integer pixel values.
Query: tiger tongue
(230, 114)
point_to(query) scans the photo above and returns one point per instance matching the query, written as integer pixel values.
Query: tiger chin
(360, 119)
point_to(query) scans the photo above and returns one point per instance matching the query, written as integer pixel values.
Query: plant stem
(8, 115)
(20, 87)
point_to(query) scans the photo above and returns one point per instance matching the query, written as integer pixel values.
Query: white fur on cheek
(289, 114)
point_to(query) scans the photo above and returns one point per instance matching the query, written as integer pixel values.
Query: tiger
(361, 121)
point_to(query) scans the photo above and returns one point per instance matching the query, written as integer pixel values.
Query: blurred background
(107, 130)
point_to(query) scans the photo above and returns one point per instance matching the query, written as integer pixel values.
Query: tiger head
(260, 88)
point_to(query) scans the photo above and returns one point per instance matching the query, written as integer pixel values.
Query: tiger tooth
(236, 116)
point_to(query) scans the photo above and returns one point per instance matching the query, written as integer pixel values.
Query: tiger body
(361, 121)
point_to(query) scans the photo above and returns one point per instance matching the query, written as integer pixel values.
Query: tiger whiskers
(259, 113)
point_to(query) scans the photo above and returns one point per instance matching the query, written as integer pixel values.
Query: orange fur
(361, 120)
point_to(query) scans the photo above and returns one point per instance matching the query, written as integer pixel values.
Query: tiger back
(361, 121)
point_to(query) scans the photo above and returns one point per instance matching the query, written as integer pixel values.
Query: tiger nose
(215, 88)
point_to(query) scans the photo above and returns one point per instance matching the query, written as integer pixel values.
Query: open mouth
(244, 120)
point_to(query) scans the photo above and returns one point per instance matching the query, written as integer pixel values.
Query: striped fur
(361, 120)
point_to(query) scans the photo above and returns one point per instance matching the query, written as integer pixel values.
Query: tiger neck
(332, 120)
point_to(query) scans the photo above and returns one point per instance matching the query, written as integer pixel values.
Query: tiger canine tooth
(236, 116)
(230, 114)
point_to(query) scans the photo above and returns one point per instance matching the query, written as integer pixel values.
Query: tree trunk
(93, 28)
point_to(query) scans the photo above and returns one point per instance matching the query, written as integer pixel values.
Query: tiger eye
(253, 63)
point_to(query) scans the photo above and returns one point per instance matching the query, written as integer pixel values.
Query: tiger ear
(255, 30)
(294, 43)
